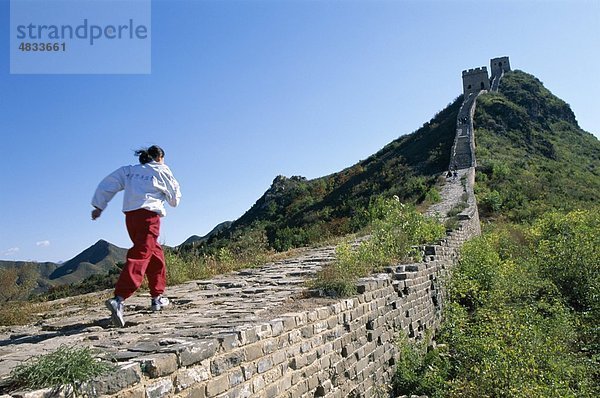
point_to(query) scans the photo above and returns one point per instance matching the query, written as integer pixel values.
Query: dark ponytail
(147, 155)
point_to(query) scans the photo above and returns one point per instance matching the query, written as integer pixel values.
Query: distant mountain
(195, 239)
(97, 259)
(34, 275)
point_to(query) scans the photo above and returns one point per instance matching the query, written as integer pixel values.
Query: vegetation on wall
(395, 229)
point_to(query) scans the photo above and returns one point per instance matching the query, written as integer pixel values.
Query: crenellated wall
(499, 65)
(475, 79)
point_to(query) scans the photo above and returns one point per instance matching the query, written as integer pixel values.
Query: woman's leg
(157, 272)
(143, 227)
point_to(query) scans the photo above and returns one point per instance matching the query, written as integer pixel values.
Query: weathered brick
(217, 385)
(319, 327)
(269, 346)
(264, 331)
(258, 383)
(294, 336)
(298, 390)
(311, 357)
(241, 391)
(313, 382)
(228, 341)
(159, 389)
(186, 378)
(221, 364)
(279, 357)
(136, 392)
(288, 322)
(276, 327)
(158, 365)
(197, 352)
(198, 391)
(264, 364)
(285, 383)
(247, 336)
(307, 331)
(111, 383)
(253, 351)
(271, 375)
(323, 313)
(305, 347)
(298, 362)
(249, 370)
(272, 390)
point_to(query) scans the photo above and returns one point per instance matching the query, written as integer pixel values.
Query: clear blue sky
(243, 91)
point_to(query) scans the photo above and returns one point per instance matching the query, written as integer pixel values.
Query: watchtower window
(482, 85)
(469, 87)
(500, 64)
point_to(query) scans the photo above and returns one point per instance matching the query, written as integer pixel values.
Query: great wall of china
(253, 333)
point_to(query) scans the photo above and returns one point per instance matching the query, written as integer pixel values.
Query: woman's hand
(96, 213)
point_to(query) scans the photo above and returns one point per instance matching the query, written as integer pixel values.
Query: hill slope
(296, 211)
(532, 155)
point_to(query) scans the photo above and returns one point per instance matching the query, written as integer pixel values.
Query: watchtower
(475, 80)
(499, 65)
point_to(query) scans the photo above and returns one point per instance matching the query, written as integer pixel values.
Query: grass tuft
(395, 231)
(65, 369)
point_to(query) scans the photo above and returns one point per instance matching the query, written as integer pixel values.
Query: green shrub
(433, 195)
(245, 249)
(567, 248)
(21, 312)
(420, 371)
(491, 202)
(507, 326)
(457, 209)
(476, 273)
(185, 267)
(451, 223)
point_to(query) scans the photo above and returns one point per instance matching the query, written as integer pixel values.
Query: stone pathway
(199, 309)
(451, 194)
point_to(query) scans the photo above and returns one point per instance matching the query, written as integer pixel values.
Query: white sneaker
(116, 311)
(159, 302)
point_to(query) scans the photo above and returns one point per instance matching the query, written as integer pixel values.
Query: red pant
(145, 257)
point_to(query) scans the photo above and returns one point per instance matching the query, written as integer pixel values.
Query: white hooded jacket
(147, 186)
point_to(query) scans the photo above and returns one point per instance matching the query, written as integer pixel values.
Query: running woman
(147, 187)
